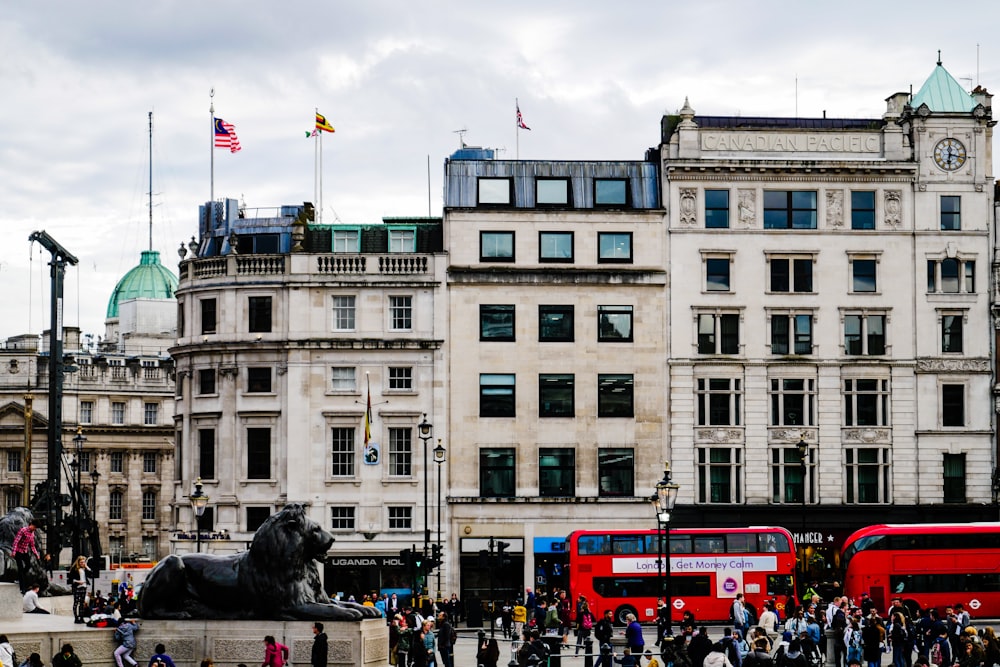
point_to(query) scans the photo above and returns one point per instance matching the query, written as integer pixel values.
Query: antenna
(150, 180)
(461, 136)
(939, 58)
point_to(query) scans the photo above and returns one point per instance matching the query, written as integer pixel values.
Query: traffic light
(503, 558)
(434, 561)
(484, 559)
(406, 557)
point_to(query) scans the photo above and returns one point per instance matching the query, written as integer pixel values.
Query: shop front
(365, 574)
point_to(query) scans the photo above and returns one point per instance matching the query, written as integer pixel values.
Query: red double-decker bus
(926, 565)
(617, 570)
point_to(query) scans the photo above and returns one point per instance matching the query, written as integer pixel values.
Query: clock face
(949, 154)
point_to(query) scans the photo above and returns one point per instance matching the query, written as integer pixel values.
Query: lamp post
(94, 476)
(424, 431)
(77, 495)
(199, 500)
(663, 503)
(803, 449)
(439, 453)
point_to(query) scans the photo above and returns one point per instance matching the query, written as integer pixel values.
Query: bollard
(588, 656)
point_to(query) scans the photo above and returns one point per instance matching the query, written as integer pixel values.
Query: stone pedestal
(10, 602)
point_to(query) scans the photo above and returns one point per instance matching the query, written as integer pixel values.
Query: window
(555, 247)
(496, 472)
(951, 276)
(342, 518)
(400, 518)
(496, 246)
(116, 546)
(615, 395)
(867, 475)
(206, 453)
(258, 453)
(953, 405)
(555, 395)
(342, 452)
(206, 381)
(148, 506)
(13, 460)
(400, 378)
(863, 275)
(864, 333)
(259, 314)
(555, 323)
(400, 313)
(615, 472)
(716, 209)
(342, 378)
(614, 324)
(718, 333)
(12, 499)
(866, 402)
(115, 505)
(208, 316)
(86, 497)
(259, 380)
(717, 274)
(400, 452)
(951, 332)
(117, 412)
(793, 402)
(149, 463)
(789, 209)
(150, 413)
(951, 212)
(86, 412)
(718, 401)
(791, 477)
(249, 244)
(614, 247)
(718, 471)
(85, 462)
(117, 462)
(552, 192)
(954, 478)
(791, 333)
(610, 192)
(495, 191)
(496, 322)
(863, 210)
(402, 240)
(791, 274)
(256, 516)
(496, 395)
(556, 472)
(346, 240)
(343, 313)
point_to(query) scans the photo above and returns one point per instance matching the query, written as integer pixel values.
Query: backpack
(936, 657)
(119, 635)
(552, 617)
(588, 622)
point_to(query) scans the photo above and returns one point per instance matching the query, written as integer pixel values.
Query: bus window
(779, 584)
(715, 544)
(680, 544)
(741, 543)
(594, 545)
(627, 544)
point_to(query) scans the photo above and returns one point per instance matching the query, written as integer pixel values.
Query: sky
(397, 80)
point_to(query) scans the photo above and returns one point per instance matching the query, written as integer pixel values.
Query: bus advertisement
(926, 565)
(619, 570)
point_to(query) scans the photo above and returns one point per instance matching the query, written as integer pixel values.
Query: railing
(327, 264)
(391, 264)
(260, 265)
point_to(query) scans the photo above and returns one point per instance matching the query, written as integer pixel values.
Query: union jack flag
(520, 120)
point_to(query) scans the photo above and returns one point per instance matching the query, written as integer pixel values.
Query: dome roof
(148, 280)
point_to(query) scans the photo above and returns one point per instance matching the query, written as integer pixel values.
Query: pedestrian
(584, 624)
(633, 636)
(520, 616)
(22, 548)
(446, 636)
(427, 637)
(488, 652)
(320, 648)
(66, 657)
(793, 657)
(160, 657)
(125, 636)
(29, 604)
(7, 656)
(738, 615)
(717, 657)
(275, 653)
(78, 579)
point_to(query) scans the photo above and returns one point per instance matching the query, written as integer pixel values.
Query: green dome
(149, 280)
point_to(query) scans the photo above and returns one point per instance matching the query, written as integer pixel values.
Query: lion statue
(275, 579)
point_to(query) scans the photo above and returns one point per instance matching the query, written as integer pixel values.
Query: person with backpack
(899, 639)
(738, 615)
(852, 640)
(939, 653)
(551, 622)
(584, 624)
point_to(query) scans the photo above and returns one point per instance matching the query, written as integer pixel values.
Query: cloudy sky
(396, 79)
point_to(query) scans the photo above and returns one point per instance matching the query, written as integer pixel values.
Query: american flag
(520, 120)
(225, 136)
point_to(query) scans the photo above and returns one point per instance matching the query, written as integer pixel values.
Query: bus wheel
(621, 614)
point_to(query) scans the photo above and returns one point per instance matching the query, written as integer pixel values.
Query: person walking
(275, 653)
(584, 624)
(125, 636)
(446, 640)
(320, 648)
(633, 635)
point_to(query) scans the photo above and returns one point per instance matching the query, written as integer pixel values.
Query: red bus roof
(684, 531)
(924, 528)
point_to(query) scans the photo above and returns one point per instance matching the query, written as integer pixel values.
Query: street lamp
(424, 432)
(199, 500)
(77, 496)
(803, 449)
(663, 503)
(439, 453)
(94, 476)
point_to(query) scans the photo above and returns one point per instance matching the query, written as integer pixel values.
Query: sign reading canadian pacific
(827, 142)
(728, 563)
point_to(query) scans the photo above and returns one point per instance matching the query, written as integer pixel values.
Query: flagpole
(517, 133)
(211, 152)
(318, 212)
(320, 140)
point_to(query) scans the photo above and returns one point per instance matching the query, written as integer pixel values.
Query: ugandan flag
(322, 124)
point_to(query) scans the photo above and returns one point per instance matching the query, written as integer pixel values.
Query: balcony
(302, 266)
